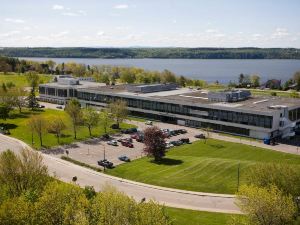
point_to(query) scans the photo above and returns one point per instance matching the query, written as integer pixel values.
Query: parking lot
(91, 151)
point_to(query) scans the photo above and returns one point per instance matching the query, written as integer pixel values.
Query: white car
(149, 122)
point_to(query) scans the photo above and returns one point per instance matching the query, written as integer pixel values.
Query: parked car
(113, 143)
(185, 140)
(114, 126)
(182, 131)
(125, 139)
(201, 136)
(124, 158)
(59, 107)
(105, 163)
(149, 122)
(41, 106)
(134, 136)
(3, 130)
(127, 144)
(105, 136)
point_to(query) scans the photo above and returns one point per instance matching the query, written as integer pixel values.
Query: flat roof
(82, 84)
(200, 98)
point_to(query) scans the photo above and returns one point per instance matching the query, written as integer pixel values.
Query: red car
(127, 144)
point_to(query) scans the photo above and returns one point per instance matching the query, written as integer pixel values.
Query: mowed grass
(18, 126)
(211, 167)
(20, 80)
(185, 216)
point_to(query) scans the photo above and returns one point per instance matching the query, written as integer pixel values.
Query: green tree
(255, 80)
(24, 172)
(127, 77)
(118, 110)
(90, 118)
(74, 111)
(32, 100)
(266, 206)
(61, 203)
(285, 176)
(56, 126)
(16, 211)
(297, 79)
(4, 110)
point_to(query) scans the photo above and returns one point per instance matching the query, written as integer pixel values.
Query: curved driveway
(64, 171)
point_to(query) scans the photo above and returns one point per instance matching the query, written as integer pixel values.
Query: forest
(184, 53)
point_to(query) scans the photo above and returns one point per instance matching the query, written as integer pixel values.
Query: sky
(150, 23)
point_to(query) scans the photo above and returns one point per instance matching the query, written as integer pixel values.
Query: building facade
(255, 117)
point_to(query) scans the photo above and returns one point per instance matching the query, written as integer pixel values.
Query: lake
(210, 70)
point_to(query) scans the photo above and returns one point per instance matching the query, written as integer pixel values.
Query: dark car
(125, 139)
(182, 131)
(124, 158)
(127, 144)
(41, 106)
(105, 136)
(105, 163)
(3, 130)
(114, 126)
(59, 107)
(185, 140)
(201, 136)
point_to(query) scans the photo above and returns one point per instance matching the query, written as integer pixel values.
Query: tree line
(89, 117)
(186, 53)
(102, 73)
(29, 196)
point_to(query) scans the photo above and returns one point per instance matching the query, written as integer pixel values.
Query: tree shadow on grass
(217, 146)
(8, 126)
(168, 161)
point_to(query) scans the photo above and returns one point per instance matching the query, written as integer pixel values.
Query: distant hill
(185, 53)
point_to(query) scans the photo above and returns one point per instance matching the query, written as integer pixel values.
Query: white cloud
(82, 12)
(100, 33)
(60, 34)
(69, 14)
(280, 33)
(121, 6)
(10, 20)
(10, 33)
(58, 7)
(211, 31)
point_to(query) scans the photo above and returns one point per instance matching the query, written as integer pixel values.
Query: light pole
(238, 177)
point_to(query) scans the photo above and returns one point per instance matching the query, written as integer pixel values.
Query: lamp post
(238, 177)
(297, 200)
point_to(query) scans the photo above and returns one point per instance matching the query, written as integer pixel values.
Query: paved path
(64, 171)
(193, 131)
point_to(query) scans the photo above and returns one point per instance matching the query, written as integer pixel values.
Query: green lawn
(19, 129)
(268, 93)
(185, 216)
(210, 167)
(20, 80)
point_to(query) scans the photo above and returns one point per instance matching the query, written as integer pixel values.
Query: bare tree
(56, 126)
(74, 110)
(118, 110)
(105, 119)
(38, 125)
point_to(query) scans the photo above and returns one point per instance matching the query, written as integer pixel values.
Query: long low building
(235, 112)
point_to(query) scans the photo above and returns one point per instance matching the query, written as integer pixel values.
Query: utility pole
(238, 177)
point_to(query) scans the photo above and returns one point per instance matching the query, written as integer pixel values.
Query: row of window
(211, 114)
(294, 114)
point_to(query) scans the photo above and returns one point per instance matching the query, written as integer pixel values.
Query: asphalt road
(64, 171)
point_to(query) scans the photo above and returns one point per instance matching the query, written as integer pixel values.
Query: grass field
(20, 80)
(20, 130)
(210, 167)
(185, 216)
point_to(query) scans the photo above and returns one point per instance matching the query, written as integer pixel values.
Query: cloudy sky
(123, 23)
